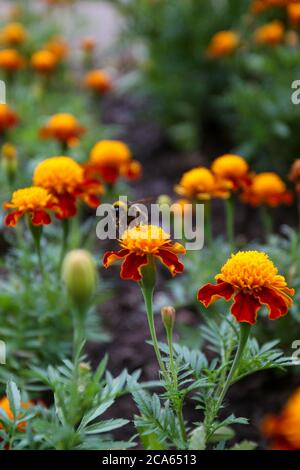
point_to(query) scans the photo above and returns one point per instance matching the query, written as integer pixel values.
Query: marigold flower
(58, 47)
(271, 33)
(294, 174)
(233, 168)
(251, 280)
(8, 118)
(284, 430)
(111, 159)
(267, 188)
(9, 162)
(11, 60)
(141, 245)
(63, 127)
(98, 80)
(88, 44)
(13, 34)
(44, 62)
(223, 43)
(5, 406)
(65, 180)
(79, 275)
(202, 185)
(34, 201)
(294, 13)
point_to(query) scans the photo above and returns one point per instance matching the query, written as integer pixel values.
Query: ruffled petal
(111, 256)
(174, 248)
(245, 308)
(66, 206)
(276, 303)
(170, 260)
(211, 292)
(12, 219)
(40, 218)
(131, 266)
(109, 174)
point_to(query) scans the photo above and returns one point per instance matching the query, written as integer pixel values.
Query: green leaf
(94, 413)
(224, 433)
(197, 439)
(244, 445)
(105, 426)
(14, 398)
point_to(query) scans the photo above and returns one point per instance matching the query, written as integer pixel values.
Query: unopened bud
(164, 199)
(168, 315)
(79, 276)
(9, 161)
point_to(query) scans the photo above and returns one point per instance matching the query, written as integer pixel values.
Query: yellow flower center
(58, 175)
(32, 198)
(267, 184)
(251, 270)
(144, 238)
(230, 166)
(110, 153)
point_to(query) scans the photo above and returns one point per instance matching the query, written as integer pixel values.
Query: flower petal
(111, 256)
(66, 206)
(131, 266)
(245, 308)
(276, 303)
(170, 260)
(12, 219)
(211, 292)
(40, 218)
(174, 248)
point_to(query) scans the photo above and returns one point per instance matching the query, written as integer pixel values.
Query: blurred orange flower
(13, 34)
(88, 44)
(8, 118)
(271, 33)
(202, 185)
(63, 127)
(34, 201)
(5, 406)
(11, 60)
(58, 47)
(233, 168)
(111, 159)
(98, 80)
(140, 246)
(223, 43)
(251, 280)
(44, 62)
(284, 430)
(65, 180)
(294, 174)
(267, 188)
(294, 13)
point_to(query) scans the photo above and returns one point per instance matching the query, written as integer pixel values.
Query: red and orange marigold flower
(111, 159)
(232, 168)
(8, 118)
(251, 280)
(65, 179)
(34, 201)
(267, 188)
(44, 62)
(200, 184)
(63, 127)
(5, 406)
(13, 34)
(98, 81)
(271, 33)
(142, 245)
(11, 60)
(223, 43)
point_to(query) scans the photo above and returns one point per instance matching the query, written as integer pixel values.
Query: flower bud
(168, 315)
(79, 276)
(164, 199)
(9, 161)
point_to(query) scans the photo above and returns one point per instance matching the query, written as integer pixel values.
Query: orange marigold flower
(34, 201)
(63, 127)
(58, 47)
(294, 174)
(267, 188)
(284, 430)
(251, 280)
(88, 44)
(223, 43)
(233, 168)
(141, 245)
(111, 159)
(44, 62)
(98, 80)
(8, 118)
(271, 33)
(11, 60)
(13, 34)
(202, 185)
(5, 406)
(65, 179)
(294, 13)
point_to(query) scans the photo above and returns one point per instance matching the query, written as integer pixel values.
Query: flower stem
(64, 243)
(267, 221)
(229, 210)
(207, 223)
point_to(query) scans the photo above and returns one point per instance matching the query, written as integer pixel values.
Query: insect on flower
(251, 280)
(142, 245)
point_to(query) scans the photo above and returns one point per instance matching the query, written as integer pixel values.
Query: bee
(126, 214)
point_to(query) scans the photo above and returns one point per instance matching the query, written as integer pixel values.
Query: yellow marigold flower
(98, 80)
(66, 180)
(13, 34)
(11, 60)
(223, 43)
(233, 168)
(63, 127)
(270, 33)
(284, 430)
(44, 62)
(201, 184)
(140, 245)
(58, 47)
(8, 118)
(111, 159)
(34, 201)
(5, 406)
(267, 188)
(251, 280)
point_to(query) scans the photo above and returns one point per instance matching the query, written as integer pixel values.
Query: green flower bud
(168, 315)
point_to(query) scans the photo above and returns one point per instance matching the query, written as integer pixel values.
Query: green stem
(229, 211)
(65, 237)
(207, 223)
(267, 220)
